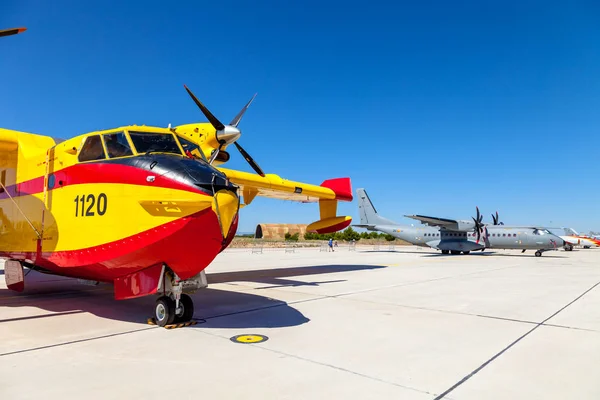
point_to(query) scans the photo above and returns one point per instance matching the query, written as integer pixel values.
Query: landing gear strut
(174, 306)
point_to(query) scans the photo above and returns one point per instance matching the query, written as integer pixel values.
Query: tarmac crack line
(412, 283)
(482, 366)
(322, 363)
(522, 321)
(75, 341)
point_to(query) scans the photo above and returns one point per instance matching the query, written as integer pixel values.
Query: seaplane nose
(229, 135)
(226, 206)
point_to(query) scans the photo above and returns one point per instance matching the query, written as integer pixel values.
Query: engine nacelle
(465, 226)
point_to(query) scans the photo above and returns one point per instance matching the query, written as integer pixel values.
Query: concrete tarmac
(407, 323)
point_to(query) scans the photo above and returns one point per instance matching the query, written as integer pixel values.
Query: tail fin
(368, 214)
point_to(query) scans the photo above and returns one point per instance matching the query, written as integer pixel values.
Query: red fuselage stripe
(95, 173)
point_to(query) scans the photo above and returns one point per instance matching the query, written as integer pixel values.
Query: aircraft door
(522, 239)
(419, 235)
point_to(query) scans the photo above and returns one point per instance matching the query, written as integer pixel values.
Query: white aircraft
(573, 239)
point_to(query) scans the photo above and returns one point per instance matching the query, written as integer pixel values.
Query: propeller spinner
(227, 134)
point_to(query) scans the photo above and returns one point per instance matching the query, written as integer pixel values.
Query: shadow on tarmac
(490, 254)
(214, 308)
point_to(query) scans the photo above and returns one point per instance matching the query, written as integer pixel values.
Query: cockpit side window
(92, 149)
(192, 148)
(117, 145)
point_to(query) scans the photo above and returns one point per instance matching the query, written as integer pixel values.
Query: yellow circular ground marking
(249, 338)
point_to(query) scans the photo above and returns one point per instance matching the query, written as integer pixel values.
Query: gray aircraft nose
(555, 241)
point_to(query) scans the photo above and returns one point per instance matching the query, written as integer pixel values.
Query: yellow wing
(273, 186)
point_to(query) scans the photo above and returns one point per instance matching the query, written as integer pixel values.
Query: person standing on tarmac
(331, 244)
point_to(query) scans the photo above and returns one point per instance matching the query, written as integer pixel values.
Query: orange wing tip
(13, 31)
(342, 187)
(329, 225)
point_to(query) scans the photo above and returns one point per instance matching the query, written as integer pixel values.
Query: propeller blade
(235, 121)
(214, 155)
(218, 125)
(249, 159)
(14, 31)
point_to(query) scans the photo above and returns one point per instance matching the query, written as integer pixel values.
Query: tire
(538, 253)
(187, 304)
(445, 251)
(466, 252)
(455, 252)
(164, 311)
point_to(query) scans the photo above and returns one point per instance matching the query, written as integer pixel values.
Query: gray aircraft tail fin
(368, 213)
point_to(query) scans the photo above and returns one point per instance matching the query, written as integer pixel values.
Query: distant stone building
(278, 231)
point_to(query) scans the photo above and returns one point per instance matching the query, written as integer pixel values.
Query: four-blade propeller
(227, 134)
(478, 224)
(497, 219)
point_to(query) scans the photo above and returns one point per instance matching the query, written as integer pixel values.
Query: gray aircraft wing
(449, 224)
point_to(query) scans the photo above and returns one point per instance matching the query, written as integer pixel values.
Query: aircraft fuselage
(499, 237)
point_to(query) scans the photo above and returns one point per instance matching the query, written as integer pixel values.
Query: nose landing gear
(174, 306)
(166, 311)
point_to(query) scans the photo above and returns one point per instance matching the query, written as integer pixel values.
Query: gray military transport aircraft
(458, 236)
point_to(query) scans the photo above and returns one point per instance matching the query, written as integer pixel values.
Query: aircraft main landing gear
(445, 251)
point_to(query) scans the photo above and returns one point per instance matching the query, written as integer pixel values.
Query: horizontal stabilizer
(329, 225)
(365, 226)
(342, 187)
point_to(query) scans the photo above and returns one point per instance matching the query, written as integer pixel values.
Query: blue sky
(433, 107)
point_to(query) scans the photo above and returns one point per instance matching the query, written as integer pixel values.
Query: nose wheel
(538, 253)
(166, 311)
(186, 309)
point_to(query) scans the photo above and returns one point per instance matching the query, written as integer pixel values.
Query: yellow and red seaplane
(144, 208)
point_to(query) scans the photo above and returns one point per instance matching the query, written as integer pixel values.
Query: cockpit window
(92, 149)
(117, 145)
(192, 148)
(158, 142)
